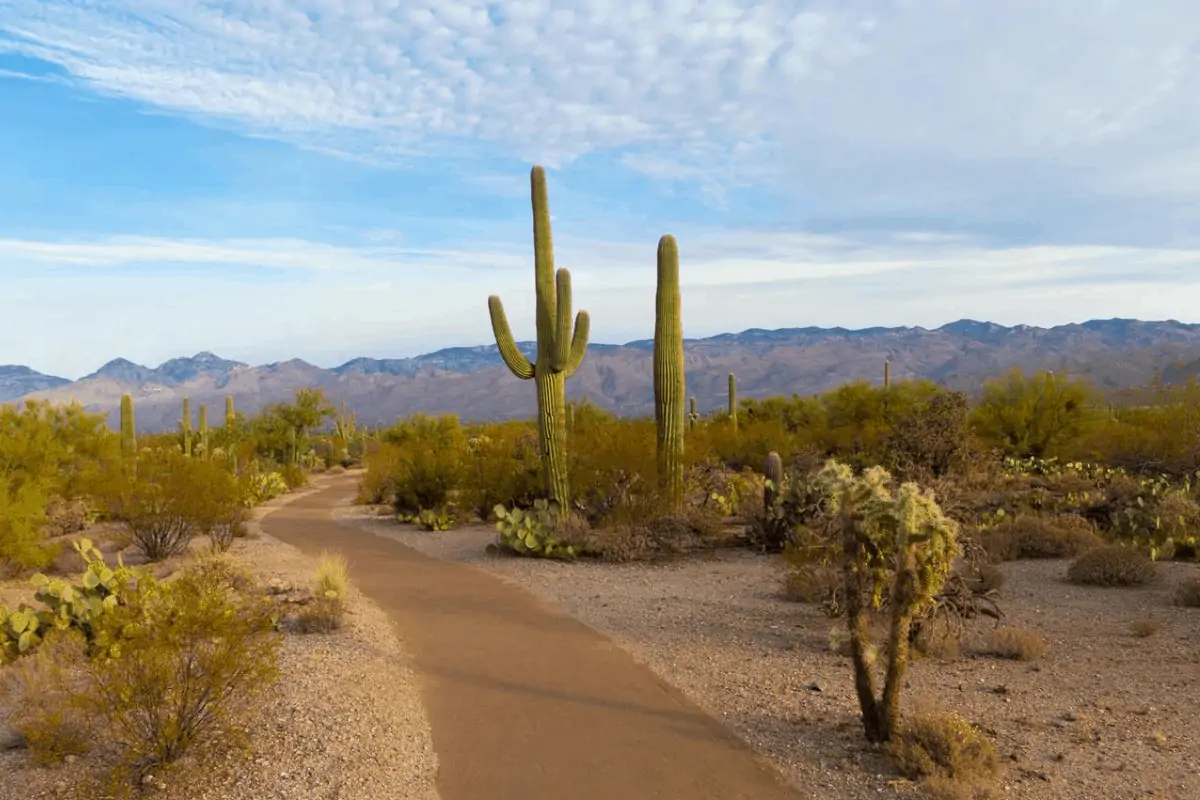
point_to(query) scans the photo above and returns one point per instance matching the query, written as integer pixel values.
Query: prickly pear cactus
(532, 532)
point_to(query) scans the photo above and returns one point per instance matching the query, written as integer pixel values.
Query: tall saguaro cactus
(559, 352)
(669, 378)
(186, 425)
(230, 414)
(128, 432)
(733, 401)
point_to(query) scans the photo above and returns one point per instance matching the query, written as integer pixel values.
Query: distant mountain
(474, 383)
(16, 381)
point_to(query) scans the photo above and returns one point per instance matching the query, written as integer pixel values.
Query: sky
(326, 179)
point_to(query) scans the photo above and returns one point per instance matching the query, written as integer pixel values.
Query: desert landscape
(889, 589)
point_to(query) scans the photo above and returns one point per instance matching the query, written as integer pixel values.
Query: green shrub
(293, 476)
(503, 467)
(258, 488)
(22, 515)
(428, 463)
(164, 501)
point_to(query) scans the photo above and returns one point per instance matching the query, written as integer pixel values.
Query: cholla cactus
(899, 547)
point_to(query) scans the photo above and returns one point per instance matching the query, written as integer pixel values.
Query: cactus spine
(128, 432)
(186, 425)
(669, 380)
(773, 472)
(559, 352)
(733, 401)
(202, 426)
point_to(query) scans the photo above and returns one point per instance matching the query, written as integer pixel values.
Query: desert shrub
(22, 515)
(66, 516)
(946, 752)
(429, 463)
(375, 485)
(613, 469)
(201, 652)
(1187, 593)
(503, 467)
(930, 439)
(1015, 643)
(1037, 416)
(293, 476)
(43, 691)
(61, 447)
(713, 486)
(163, 502)
(256, 488)
(813, 583)
(1112, 565)
(1029, 536)
(657, 534)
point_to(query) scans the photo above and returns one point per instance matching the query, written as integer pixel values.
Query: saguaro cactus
(669, 379)
(693, 417)
(202, 427)
(773, 472)
(733, 401)
(230, 414)
(186, 426)
(887, 374)
(559, 351)
(128, 433)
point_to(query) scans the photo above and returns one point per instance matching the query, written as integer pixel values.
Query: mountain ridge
(473, 382)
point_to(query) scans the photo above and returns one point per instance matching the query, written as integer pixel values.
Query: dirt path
(524, 701)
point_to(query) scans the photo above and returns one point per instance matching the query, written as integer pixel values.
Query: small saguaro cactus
(733, 404)
(202, 428)
(693, 417)
(887, 374)
(773, 472)
(669, 379)
(559, 351)
(230, 414)
(185, 425)
(128, 432)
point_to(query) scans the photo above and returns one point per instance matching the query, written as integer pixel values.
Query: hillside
(472, 381)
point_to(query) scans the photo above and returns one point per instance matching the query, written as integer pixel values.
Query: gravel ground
(1103, 715)
(345, 721)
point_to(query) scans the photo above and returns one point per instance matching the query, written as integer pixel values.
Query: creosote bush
(1113, 565)
(1029, 536)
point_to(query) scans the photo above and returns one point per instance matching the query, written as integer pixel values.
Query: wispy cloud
(870, 103)
(334, 302)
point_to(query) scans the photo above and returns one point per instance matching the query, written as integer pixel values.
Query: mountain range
(473, 382)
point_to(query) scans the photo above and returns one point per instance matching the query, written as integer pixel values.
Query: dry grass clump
(328, 607)
(951, 757)
(1187, 594)
(1113, 565)
(1030, 536)
(1015, 643)
(815, 584)
(1145, 628)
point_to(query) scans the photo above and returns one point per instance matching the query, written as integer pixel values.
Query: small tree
(898, 549)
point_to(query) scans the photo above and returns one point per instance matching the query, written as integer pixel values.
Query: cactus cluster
(669, 380)
(559, 351)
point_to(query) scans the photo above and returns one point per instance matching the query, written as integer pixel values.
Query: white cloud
(807, 93)
(329, 303)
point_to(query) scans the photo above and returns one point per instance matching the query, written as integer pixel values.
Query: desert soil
(345, 720)
(1102, 714)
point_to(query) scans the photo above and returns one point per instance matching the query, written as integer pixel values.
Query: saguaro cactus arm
(512, 355)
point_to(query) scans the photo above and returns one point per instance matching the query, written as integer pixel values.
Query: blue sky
(324, 179)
